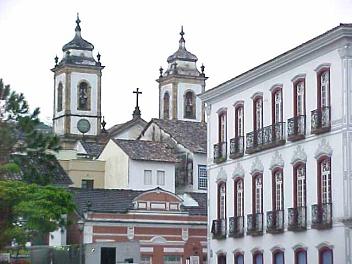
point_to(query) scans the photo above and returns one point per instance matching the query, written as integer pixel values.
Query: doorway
(108, 255)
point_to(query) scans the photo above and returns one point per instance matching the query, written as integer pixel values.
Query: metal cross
(137, 93)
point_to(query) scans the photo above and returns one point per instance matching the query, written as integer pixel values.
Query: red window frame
(273, 105)
(255, 254)
(319, 74)
(237, 132)
(319, 179)
(278, 251)
(255, 99)
(235, 197)
(238, 254)
(295, 83)
(321, 252)
(219, 201)
(254, 203)
(274, 171)
(222, 137)
(299, 250)
(295, 169)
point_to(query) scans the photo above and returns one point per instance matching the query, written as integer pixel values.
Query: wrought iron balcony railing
(297, 219)
(275, 221)
(296, 128)
(320, 121)
(220, 152)
(236, 147)
(264, 138)
(322, 216)
(218, 228)
(255, 224)
(236, 226)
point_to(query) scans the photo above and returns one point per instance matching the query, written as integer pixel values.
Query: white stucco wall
(182, 89)
(136, 175)
(163, 90)
(130, 133)
(59, 123)
(337, 140)
(116, 166)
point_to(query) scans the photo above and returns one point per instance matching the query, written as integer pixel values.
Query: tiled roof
(120, 127)
(191, 135)
(146, 150)
(120, 200)
(60, 176)
(93, 149)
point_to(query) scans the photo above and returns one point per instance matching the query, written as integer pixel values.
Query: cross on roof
(137, 92)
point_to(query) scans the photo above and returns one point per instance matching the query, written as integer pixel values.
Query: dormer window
(190, 105)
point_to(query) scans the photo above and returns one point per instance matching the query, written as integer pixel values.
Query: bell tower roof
(182, 53)
(78, 43)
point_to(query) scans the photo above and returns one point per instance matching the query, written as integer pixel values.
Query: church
(136, 181)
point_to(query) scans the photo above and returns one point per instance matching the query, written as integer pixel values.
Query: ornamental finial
(182, 40)
(78, 21)
(161, 71)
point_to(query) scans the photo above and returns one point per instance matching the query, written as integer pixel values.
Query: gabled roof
(23, 161)
(146, 150)
(121, 200)
(118, 128)
(93, 149)
(191, 135)
(341, 31)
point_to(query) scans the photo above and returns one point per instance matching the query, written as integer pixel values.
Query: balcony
(265, 138)
(296, 128)
(236, 226)
(297, 219)
(218, 229)
(236, 147)
(275, 222)
(220, 152)
(321, 122)
(255, 224)
(322, 216)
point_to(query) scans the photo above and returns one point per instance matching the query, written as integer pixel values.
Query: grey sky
(136, 37)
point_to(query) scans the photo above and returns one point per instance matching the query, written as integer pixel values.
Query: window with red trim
(300, 256)
(222, 200)
(222, 127)
(221, 259)
(324, 180)
(258, 112)
(239, 121)
(278, 189)
(325, 256)
(239, 197)
(239, 258)
(323, 79)
(257, 194)
(277, 105)
(258, 258)
(278, 257)
(299, 97)
(300, 185)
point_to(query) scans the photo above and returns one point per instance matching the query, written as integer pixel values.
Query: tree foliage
(30, 209)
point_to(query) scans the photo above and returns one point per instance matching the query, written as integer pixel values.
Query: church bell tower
(179, 86)
(77, 91)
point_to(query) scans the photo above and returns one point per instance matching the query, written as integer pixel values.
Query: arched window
(222, 200)
(239, 258)
(299, 99)
(84, 96)
(278, 257)
(300, 185)
(258, 258)
(278, 190)
(277, 105)
(239, 118)
(59, 97)
(222, 127)
(239, 197)
(166, 109)
(323, 88)
(258, 112)
(190, 105)
(325, 255)
(221, 259)
(324, 180)
(300, 256)
(258, 194)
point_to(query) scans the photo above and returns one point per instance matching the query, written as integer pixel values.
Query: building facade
(279, 158)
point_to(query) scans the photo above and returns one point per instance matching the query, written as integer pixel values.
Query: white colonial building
(279, 158)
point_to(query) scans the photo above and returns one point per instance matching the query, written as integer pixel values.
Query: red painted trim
(325, 249)
(319, 73)
(297, 251)
(239, 106)
(273, 92)
(295, 96)
(237, 255)
(319, 183)
(295, 167)
(255, 254)
(273, 185)
(219, 186)
(255, 99)
(256, 175)
(277, 251)
(223, 113)
(235, 197)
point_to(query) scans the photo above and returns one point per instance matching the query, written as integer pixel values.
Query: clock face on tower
(83, 126)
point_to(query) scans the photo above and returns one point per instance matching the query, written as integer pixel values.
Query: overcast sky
(136, 37)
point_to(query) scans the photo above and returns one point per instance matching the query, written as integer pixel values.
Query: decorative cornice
(238, 103)
(298, 77)
(275, 248)
(299, 155)
(222, 110)
(222, 176)
(346, 51)
(322, 66)
(323, 149)
(298, 246)
(257, 94)
(324, 244)
(257, 166)
(275, 86)
(256, 249)
(238, 171)
(277, 161)
(208, 109)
